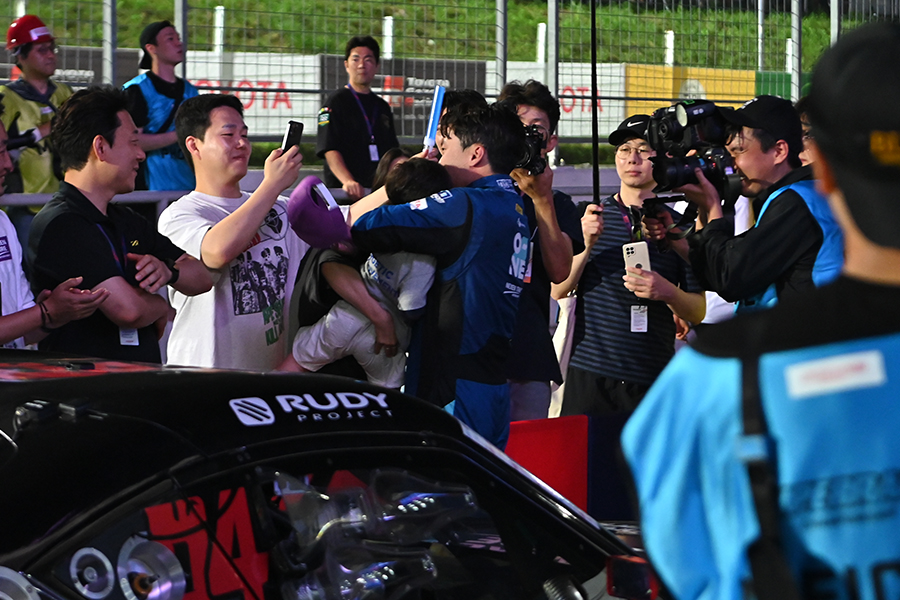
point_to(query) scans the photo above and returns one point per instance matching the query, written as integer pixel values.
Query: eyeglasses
(624, 151)
(47, 48)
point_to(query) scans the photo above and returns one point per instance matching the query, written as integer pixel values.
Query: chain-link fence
(283, 58)
(653, 52)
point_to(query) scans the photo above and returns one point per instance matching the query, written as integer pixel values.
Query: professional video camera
(689, 125)
(532, 161)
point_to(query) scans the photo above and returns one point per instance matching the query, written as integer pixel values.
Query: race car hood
(91, 431)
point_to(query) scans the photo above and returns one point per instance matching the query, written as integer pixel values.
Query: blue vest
(830, 258)
(831, 412)
(165, 167)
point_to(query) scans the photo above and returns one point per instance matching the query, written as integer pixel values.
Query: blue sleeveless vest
(166, 167)
(830, 258)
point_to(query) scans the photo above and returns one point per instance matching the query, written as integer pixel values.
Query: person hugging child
(399, 281)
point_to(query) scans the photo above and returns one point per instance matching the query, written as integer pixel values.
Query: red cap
(27, 30)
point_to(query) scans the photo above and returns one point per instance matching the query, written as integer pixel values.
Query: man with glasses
(355, 127)
(795, 244)
(624, 331)
(29, 104)
(766, 457)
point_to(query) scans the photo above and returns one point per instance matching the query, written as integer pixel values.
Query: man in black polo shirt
(80, 234)
(355, 127)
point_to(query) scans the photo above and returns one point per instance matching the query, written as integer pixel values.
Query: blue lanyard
(363, 111)
(113, 248)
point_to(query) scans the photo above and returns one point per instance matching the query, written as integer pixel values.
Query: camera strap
(685, 224)
(632, 216)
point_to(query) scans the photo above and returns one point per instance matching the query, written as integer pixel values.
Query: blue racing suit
(479, 235)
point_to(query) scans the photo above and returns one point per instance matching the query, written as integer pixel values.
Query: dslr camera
(14, 142)
(532, 161)
(692, 125)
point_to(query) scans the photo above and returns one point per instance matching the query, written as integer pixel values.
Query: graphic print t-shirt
(242, 322)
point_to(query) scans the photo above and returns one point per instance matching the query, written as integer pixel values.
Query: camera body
(14, 142)
(691, 125)
(533, 161)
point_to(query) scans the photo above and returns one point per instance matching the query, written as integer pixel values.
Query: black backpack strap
(772, 576)
(165, 126)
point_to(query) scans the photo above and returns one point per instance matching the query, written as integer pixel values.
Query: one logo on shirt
(506, 184)
(519, 259)
(324, 116)
(5, 252)
(252, 411)
(437, 198)
(519, 210)
(835, 374)
(445, 194)
(419, 204)
(133, 243)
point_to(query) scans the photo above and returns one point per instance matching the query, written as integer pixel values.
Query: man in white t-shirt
(243, 239)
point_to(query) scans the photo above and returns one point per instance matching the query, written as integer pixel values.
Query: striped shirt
(604, 342)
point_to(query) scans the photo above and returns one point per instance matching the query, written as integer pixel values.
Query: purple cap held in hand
(315, 217)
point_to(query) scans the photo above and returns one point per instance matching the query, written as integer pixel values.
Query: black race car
(123, 481)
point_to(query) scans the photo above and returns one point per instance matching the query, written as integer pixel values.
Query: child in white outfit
(399, 281)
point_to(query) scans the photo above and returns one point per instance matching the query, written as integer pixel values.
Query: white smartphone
(637, 255)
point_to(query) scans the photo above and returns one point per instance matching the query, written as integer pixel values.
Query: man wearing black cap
(795, 243)
(778, 476)
(624, 331)
(154, 98)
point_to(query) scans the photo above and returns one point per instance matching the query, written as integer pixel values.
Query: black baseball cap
(634, 126)
(856, 126)
(148, 36)
(772, 114)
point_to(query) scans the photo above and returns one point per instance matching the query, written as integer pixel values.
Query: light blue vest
(832, 413)
(165, 167)
(830, 258)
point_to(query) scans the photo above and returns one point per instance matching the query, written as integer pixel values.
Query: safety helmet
(27, 29)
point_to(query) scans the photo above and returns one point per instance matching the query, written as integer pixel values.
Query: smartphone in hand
(637, 255)
(292, 135)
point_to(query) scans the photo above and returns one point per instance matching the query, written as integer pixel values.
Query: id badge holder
(128, 337)
(373, 153)
(639, 318)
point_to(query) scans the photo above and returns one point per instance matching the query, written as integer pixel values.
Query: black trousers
(588, 393)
